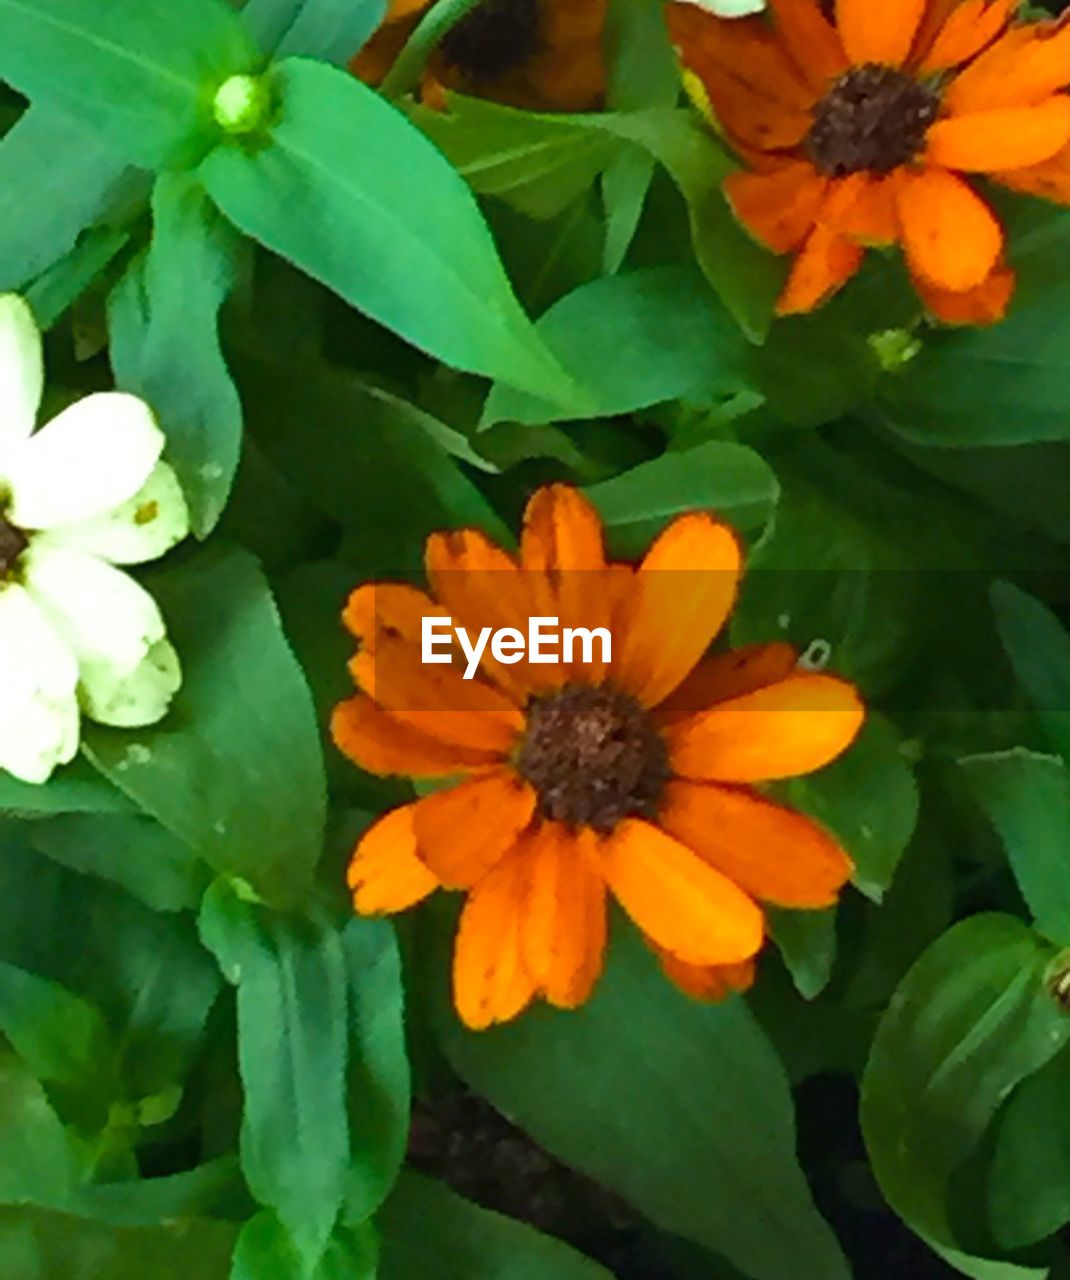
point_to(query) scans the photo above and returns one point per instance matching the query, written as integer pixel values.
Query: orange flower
(542, 55)
(634, 777)
(861, 129)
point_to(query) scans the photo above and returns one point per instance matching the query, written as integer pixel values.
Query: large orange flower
(860, 125)
(542, 55)
(636, 778)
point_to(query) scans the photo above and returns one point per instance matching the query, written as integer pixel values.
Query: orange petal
(726, 675)
(778, 208)
(683, 592)
(707, 982)
(437, 700)
(565, 918)
(824, 265)
(986, 304)
(392, 609)
(967, 29)
(1050, 179)
(1025, 66)
(464, 832)
(752, 117)
(682, 903)
(382, 744)
(490, 981)
(811, 40)
(773, 853)
(878, 30)
(951, 237)
(562, 532)
(1009, 138)
(862, 207)
(786, 729)
(385, 874)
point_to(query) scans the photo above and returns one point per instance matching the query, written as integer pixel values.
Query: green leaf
(680, 1107)
(806, 941)
(235, 771)
(52, 293)
(143, 75)
(1029, 1179)
(331, 30)
(1039, 649)
(75, 789)
(386, 223)
(128, 850)
(291, 979)
(37, 1160)
(55, 179)
(972, 1018)
(163, 318)
(719, 476)
(379, 1086)
(266, 1252)
(61, 1037)
(149, 1202)
(429, 1230)
(36, 1244)
(1027, 798)
(633, 341)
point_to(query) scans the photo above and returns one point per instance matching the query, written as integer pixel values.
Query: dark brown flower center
(593, 757)
(13, 542)
(495, 38)
(874, 118)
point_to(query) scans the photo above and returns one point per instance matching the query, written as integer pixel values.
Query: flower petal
(89, 460)
(490, 980)
(707, 982)
(135, 698)
(21, 373)
(562, 532)
(778, 208)
(1050, 179)
(464, 832)
(967, 29)
(391, 609)
(1025, 66)
(681, 596)
(951, 237)
(878, 32)
(985, 304)
(727, 675)
(773, 853)
(810, 39)
(385, 875)
(564, 931)
(681, 902)
(38, 678)
(824, 265)
(1008, 138)
(861, 207)
(781, 731)
(382, 744)
(143, 528)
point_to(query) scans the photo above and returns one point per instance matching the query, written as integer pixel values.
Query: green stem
(405, 74)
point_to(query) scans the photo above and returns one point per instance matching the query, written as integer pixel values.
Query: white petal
(140, 697)
(142, 529)
(92, 458)
(21, 372)
(38, 676)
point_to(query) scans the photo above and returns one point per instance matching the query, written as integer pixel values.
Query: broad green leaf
(996, 370)
(163, 319)
(55, 179)
(61, 1037)
(633, 341)
(1027, 798)
(386, 223)
(265, 1251)
(379, 1101)
(291, 981)
(235, 771)
(332, 30)
(1039, 649)
(681, 1108)
(131, 851)
(52, 293)
(150, 1202)
(539, 163)
(972, 1019)
(78, 788)
(427, 1229)
(729, 479)
(36, 1244)
(1029, 1180)
(37, 1160)
(143, 75)
(806, 941)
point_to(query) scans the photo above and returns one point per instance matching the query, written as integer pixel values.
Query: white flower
(83, 494)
